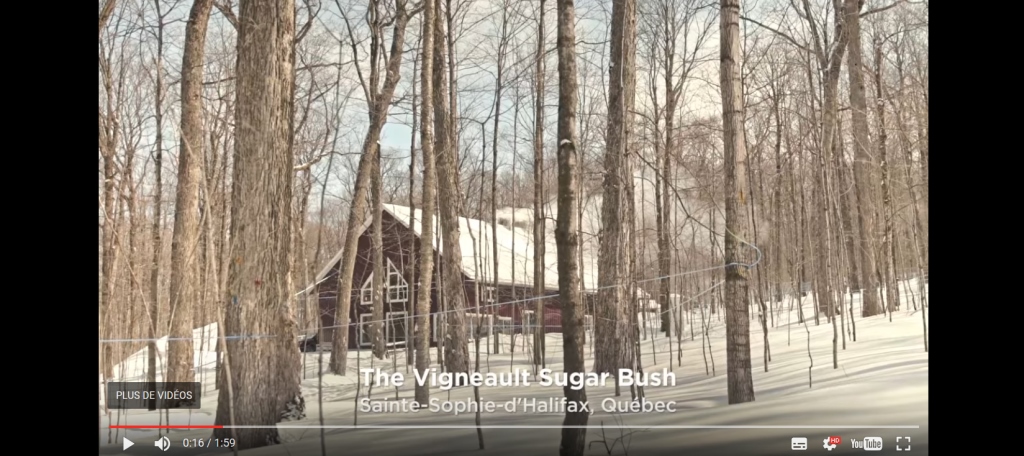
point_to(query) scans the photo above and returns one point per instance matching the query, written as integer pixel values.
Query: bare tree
(539, 219)
(740, 382)
(677, 35)
(156, 239)
(829, 63)
(864, 162)
(410, 267)
(888, 214)
(612, 329)
(426, 253)
(504, 41)
(110, 132)
(456, 351)
(264, 371)
(185, 238)
(567, 234)
(379, 99)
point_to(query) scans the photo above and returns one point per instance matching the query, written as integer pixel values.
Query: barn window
(396, 328)
(364, 329)
(366, 292)
(398, 288)
(489, 295)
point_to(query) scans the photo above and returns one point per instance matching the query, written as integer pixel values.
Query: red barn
(499, 298)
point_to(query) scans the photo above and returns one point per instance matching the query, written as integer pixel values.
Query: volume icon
(163, 444)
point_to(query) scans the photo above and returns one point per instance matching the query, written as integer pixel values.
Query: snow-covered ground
(881, 380)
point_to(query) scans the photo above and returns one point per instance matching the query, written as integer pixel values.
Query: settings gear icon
(828, 446)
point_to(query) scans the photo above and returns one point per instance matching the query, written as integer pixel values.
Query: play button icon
(127, 444)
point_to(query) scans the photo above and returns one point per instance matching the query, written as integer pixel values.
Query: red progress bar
(153, 426)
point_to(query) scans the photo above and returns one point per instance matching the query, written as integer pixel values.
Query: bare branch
(106, 12)
(312, 12)
(225, 9)
(355, 54)
(777, 32)
(309, 164)
(882, 8)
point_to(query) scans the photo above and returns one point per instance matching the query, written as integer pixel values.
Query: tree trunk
(762, 308)
(671, 28)
(832, 65)
(539, 222)
(573, 441)
(129, 195)
(224, 236)
(498, 86)
(864, 163)
(109, 138)
(888, 244)
(411, 266)
(157, 240)
(824, 270)
(456, 356)
(921, 116)
(664, 209)
(426, 253)
(612, 318)
(185, 238)
(800, 225)
(356, 217)
(379, 271)
(264, 372)
(849, 234)
(740, 381)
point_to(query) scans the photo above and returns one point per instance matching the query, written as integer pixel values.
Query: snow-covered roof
(590, 225)
(514, 252)
(322, 275)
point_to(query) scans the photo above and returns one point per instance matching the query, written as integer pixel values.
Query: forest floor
(879, 389)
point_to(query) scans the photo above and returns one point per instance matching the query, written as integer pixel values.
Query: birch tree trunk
(573, 441)
(185, 238)
(264, 371)
(740, 380)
